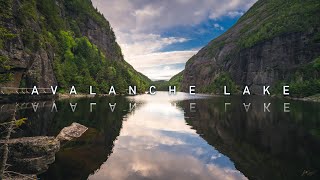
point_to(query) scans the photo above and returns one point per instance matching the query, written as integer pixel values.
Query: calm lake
(178, 137)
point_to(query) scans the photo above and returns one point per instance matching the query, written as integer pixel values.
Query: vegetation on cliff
(163, 85)
(83, 65)
(274, 43)
(62, 29)
(5, 76)
(217, 86)
(305, 81)
(277, 17)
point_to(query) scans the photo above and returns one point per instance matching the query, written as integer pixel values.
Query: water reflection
(82, 156)
(262, 144)
(177, 137)
(156, 143)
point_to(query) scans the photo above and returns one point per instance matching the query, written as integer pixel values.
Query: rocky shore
(26, 157)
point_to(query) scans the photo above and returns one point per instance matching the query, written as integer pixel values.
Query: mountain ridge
(267, 46)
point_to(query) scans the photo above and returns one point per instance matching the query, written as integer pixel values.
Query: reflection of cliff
(262, 145)
(39, 115)
(80, 157)
(23, 158)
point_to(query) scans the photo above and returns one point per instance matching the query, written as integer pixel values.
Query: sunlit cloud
(143, 28)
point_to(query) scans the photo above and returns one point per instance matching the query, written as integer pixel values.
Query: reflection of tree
(8, 130)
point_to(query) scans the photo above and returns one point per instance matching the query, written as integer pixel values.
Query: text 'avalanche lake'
(163, 137)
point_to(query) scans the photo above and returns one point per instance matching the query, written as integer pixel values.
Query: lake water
(179, 137)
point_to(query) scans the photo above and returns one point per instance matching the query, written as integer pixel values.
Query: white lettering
(192, 90)
(112, 91)
(34, 90)
(286, 90)
(133, 91)
(246, 90)
(73, 90)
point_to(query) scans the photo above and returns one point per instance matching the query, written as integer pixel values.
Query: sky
(157, 37)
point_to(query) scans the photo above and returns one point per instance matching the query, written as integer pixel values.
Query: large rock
(31, 155)
(75, 130)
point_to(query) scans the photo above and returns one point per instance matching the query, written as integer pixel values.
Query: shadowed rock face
(264, 63)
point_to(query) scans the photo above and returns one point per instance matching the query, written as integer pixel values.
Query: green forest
(77, 61)
(163, 85)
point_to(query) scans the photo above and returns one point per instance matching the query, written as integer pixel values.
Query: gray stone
(73, 131)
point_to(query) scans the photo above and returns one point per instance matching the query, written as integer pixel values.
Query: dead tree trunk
(10, 128)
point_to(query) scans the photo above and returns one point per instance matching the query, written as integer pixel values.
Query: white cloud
(134, 44)
(234, 14)
(138, 24)
(218, 26)
(162, 58)
(151, 61)
(155, 16)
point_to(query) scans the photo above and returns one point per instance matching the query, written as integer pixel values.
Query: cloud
(163, 58)
(234, 14)
(217, 26)
(154, 16)
(162, 72)
(140, 25)
(161, 65)
(134, 44)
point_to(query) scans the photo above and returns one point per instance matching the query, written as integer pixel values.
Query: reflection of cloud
(156, 143)
(126, 164)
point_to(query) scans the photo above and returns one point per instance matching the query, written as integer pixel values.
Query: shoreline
(313, 98)
(60, 96)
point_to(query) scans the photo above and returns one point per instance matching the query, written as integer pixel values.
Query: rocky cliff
(265, 47)
(34, 49)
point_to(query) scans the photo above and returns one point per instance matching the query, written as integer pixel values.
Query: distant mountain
(276, 42)
(61, 42)
(163, 85)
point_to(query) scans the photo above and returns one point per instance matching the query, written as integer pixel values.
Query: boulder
(31, 155)
(73, 131)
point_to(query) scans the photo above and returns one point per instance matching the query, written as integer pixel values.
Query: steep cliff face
(92, 25)
(36, 49)
(36, 67)
(266, 46)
